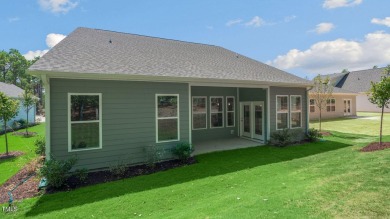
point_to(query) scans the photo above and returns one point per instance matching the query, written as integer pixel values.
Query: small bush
(81, 174)
(154, 155)
(40, 146)
(281, 138)
(314, 135)
(57, 171)
(22, 123)
(118, 169)
(183, 151)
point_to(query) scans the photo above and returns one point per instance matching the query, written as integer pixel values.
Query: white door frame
(252, 134)
(345, 102)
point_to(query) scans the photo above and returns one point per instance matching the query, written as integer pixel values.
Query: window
(230, 112)
(331, 105)
(199, 113)
(167, 127)
(312, 105)
(281, 112)
(296, 111)
(216, 112)
(85, 122)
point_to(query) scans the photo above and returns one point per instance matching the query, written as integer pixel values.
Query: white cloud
(385, 21)
(330, 4)
(233, 22)
(332, 56)
(57, 6)
(322, 28)
(290, 18)
(30, 55)
(52, 39)
(255, 22)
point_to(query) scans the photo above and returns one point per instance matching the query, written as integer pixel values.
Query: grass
(11, 166)
(317, 180)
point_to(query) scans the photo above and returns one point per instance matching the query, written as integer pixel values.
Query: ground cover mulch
(28, 134)
(11, 154)
(375, 146)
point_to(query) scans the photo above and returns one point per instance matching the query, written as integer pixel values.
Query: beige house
(341, 104)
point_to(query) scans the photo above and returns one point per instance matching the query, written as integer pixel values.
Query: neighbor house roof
(360, 81)
(94, 51)
(337, 90)
(11, 90)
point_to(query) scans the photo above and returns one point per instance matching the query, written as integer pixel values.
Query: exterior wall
(364, 105)
(128, 119)
(274, 91)
(339, 108)
(215, 133)
(255, 94)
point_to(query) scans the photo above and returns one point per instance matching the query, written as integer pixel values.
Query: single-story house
(110, 94)
(360, 83)
(15, 92)
(341, 104)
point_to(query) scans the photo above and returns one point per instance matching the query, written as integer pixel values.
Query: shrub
(40, 146)
(57, 171)
(313, 135)
(154, 155)
(118, 169)
(22, 123)
(183, 151)
(281, 138)
(81, 174)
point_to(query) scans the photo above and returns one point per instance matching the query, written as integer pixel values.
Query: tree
(321, 93)
(379, 95)
(28, 101)
(8, 110)
(4, 62)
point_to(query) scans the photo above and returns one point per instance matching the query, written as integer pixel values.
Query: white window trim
(288, 110)
(223, 109)
(310, 105)
(296, 111)
(89, 121)
(205, 97)
(330, 104)
(233, 111)
(177, 117)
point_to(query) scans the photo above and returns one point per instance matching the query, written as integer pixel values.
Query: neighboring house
(15, 92)
(341, 104)
(359, 82)
(109, 95)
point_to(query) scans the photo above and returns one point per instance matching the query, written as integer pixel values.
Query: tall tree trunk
(380, 132)
(5, 135)
(320, 118)
(27, 124)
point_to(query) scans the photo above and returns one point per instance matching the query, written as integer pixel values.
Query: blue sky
(304, 37)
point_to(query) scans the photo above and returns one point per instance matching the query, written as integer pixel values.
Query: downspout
(46, 83)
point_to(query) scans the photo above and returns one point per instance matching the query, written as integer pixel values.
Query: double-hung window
(85, 121)
(199, 113)
(331, 105)
(296, 111)
(281, 112)
(167, 117)
(216, 112)
(230, 111)
(312, 105)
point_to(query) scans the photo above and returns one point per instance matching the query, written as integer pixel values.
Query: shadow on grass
(208, 165)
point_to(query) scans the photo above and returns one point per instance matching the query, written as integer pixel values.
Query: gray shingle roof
(11, 90)
(89, 51)
(360, 81)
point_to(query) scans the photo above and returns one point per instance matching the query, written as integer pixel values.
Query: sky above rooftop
(303, 37)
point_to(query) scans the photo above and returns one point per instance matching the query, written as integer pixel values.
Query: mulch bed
(107, 176)
(30, 134)
(11, 154)
(375, 146)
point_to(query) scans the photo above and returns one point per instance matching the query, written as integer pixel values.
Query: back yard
(324, 179)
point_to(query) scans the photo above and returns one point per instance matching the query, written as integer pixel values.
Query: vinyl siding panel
(274, 91)
(339, 108)
(128, 119)
(364, 105)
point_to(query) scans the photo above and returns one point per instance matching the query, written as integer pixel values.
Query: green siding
(274, 91)
(215, 133)
(128, 119)
(256, 94)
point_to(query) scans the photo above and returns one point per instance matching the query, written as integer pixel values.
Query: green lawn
(11, 166)
(318, 180)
